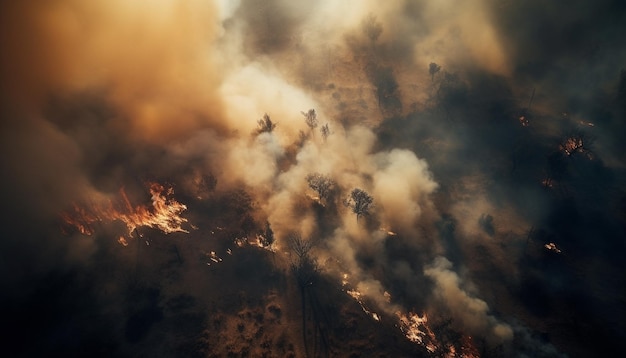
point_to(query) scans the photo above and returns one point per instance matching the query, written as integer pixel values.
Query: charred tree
(433, 68)
(325, 130)
(304, 268)
(310, 118)
(265, 125)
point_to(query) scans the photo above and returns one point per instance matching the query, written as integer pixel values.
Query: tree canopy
(322, 184)
(360, 202)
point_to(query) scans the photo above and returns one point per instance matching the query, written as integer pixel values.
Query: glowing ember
(241, 241)
(212, 258)
(344, 279)
(548, 183)
(164, 213)
(572, 145)
(315, 198)
(468, 348)
(122, 241)
(524, 121)
(552, 247)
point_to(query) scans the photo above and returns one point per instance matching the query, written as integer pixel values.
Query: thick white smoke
(471, 311)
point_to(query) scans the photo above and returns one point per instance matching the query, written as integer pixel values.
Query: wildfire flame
(416, 329)
(344, 279)
(468, 348)
(212, 256)
(164, 213)
(552, 247)
(547, 183)
(387, 231)
(572, 145)
(122, 241)
(357, 296)
(523, 121)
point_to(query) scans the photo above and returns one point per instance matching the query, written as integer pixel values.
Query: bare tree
(310, 118)
(299, 246)
(433, 68)
(360, 202)
(372, 28)
(265, 125)
(325, 130)
(322, 184)
(305, 269)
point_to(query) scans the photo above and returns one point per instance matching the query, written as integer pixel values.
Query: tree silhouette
(265, 125)
(325, 130)
(299, 246)
(310, 118)
(322, 184)
(433, 68)
(360, 202)
(304, 269)
(372, 28)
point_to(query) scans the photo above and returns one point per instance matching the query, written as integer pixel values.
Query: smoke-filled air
(278, 178)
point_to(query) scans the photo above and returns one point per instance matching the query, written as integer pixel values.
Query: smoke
(471, 311)
(98, 96)
(146, 68)
(403, 183)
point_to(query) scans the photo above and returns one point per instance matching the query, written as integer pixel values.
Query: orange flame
(572, 145)
(468, 348)
(164, 213)
(524, 121)
(416, 329)
(552, 247)
(357, 297)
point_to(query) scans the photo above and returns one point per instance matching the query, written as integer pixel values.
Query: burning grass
(164, 213)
